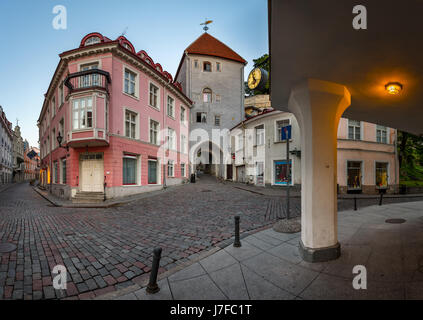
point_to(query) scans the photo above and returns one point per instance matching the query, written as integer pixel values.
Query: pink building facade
(367, 158)
(122, 121)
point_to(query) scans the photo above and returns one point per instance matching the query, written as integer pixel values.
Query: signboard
(286, 132)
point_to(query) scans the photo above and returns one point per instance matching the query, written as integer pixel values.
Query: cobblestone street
(109, 249)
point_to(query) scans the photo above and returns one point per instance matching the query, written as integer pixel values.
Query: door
(240, 174)
(229, 172)
(92, 173)
(260, 174)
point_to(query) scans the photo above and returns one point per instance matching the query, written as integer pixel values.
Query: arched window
(207, 66)
(92, 40)
(207, 95)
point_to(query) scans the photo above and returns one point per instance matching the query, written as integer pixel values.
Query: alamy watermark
(59, 277)
(60, 20)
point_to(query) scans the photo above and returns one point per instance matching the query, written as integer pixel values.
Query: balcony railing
(88, 79)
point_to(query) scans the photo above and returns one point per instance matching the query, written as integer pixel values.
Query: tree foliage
(410, 153)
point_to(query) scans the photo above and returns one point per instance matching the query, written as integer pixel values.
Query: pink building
(122, 119)
(367, 158)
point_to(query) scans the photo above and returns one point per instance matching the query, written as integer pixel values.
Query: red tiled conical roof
(210, 46)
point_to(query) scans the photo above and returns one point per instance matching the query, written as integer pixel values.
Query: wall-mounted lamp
(393, 87)
(59, 140)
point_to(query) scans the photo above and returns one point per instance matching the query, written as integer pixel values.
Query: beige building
(367, 159)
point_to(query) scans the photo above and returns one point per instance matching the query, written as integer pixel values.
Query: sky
(30, 45)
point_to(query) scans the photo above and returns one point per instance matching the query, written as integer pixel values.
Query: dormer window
(92, 40)
(207, 66)
(127, 46)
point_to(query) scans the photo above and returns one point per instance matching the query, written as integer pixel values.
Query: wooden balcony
(88, 80)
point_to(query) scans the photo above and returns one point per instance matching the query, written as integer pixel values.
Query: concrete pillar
(318, 106)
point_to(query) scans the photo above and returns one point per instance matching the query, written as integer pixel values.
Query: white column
(318, 106)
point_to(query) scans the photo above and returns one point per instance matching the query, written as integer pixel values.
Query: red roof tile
(210, 46)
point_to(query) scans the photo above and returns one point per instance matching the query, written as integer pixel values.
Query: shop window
(152, 171)
(129, 170)
(283, 174)
(381, 175)
(354, 175)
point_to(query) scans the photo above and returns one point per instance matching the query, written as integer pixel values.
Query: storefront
(354, 175)
(282, 172)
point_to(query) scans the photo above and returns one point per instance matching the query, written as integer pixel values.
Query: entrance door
(229, 172)
(240, 174)
(92, 173)
(260, 173)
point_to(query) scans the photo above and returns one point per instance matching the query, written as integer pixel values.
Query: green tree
(410, 154)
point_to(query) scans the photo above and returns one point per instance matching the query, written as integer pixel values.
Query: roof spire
(207, 22)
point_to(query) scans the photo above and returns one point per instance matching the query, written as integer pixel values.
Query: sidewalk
(268, 265)
(105, 204)
(7, 186)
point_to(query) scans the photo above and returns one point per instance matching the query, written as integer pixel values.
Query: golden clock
(257, 79)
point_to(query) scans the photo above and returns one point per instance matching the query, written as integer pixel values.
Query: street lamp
(393, 87)
(59, 140)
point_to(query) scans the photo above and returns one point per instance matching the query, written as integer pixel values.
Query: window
(89, 80)
(171, 107)
(218, 98)
(130, 83)
(82, 110)
(152, 171)
(170, 169)
(61, 95)
(201, 117)
(62, 128)
(354, 175)
(171, 143)
(182, 170)
(92, 40)
(183, 144)
(53, 142)
(354, 130)
(279, 125)
(129, 170)
(196, 64)
(217, 121)
(207, 95)
(63, 175)
(207, 66)
(154, 93)
(182, 114)
(381, 134)
(56, 172)
(381, 175)
(130, 124)
(218, 68)
(259, 135)
(154, 132)
(283, 172)
(53, 107)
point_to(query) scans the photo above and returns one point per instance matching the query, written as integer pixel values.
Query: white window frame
(92, 40)
(259, 137)
(79, 128)
(171, 164)
(184, 144)
(183, 115)
(138, 170)
(125, 110)
(354, 131)
(216, 116)
(150, 83)
(158, 131)
(158, 172)
(171, 139)
(218, 66)
(184, 169)
(126, 69)
(278, 134)
(172, 106)
(381, 129)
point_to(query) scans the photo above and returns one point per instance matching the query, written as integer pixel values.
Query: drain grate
(395, 221)
(7, 247)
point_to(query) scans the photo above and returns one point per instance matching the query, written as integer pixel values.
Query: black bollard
(355, 203)
(152, 286)
(380, 198)
(237, 243)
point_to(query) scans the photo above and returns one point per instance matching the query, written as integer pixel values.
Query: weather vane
(207, 22)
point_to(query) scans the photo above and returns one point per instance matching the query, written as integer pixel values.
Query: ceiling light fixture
(393, 87)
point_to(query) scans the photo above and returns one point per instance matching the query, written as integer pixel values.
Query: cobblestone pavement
(109, 249)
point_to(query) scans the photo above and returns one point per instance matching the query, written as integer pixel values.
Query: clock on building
(257, 79)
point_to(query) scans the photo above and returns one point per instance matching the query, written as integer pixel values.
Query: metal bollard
(152, 286)
(237, 243)
(355, 203)
(381, 199)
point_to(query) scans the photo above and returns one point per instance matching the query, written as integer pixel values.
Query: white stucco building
(212, 76)
(6, 149)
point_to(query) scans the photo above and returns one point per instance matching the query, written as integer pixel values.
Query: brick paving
(109, 249)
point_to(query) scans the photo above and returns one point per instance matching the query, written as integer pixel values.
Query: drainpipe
(396, 158)
(164, 149)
